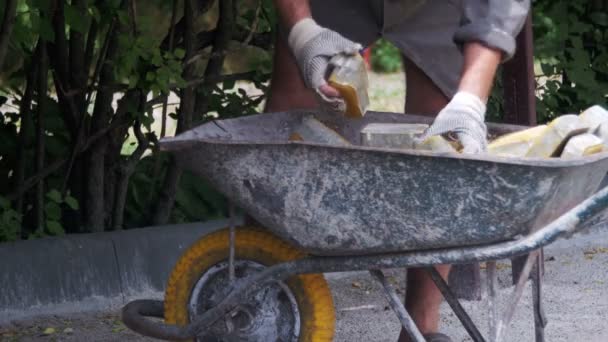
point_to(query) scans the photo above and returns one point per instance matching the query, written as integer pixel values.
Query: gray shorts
(422, 29)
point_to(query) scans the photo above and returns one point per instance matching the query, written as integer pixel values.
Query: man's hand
(464, 116)
(313, 47)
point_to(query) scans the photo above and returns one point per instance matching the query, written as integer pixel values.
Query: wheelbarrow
(324, 208)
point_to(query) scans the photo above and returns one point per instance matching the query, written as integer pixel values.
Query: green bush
(385, 57)
(570, 56)
(571, 50)
(73, 159)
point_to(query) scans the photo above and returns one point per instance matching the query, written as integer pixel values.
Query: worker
(451, 50)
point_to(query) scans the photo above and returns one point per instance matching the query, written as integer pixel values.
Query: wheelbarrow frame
(135, 313)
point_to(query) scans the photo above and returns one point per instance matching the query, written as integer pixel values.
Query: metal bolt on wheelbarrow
(344, 208)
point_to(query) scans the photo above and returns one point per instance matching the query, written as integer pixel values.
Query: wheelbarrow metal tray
(331, 200)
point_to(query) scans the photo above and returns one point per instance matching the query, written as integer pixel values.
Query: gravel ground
(575, 295)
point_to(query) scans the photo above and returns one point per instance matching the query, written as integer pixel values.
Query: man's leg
(422, 96)
(422, 299)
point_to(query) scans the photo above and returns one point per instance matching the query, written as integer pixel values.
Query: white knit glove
(313, 47)
(464, 116)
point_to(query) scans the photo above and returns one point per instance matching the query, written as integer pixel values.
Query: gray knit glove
(313, 47)
(464, 116)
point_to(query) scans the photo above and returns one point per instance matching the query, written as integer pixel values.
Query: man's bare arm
(292, 11)
(479, 69)
(465, 113)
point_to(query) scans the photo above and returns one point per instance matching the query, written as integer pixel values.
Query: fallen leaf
(119, 327)
(356, 284)
(68, 330)
(502, 266)
(48, 331)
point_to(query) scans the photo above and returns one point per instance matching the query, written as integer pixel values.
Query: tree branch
(60, 45)
(263, 40)
(56, 165)
(95, 213)
(166, 199)
(243, 76)
(25, 109)
(40, 133)
(201, 7)
(254, 25)
(125, 171)
(8, 22)
(59, 58)
(78, 74)
(89, 50)
(225, 27)
(163, 126)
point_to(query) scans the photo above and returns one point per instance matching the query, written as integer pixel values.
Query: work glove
(313, 47)
(464, 116)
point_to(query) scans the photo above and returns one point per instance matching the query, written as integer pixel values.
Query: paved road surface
(576, 299)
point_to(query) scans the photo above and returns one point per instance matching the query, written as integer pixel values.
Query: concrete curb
(91, 272)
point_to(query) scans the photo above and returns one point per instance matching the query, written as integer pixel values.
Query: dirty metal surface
(332, 200)
(269, 315)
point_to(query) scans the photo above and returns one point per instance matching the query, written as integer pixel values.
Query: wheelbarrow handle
(573, 220)
(135, 316)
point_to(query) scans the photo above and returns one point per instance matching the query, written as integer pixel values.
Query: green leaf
(72, 203)
(54, 196)
(41, 5)
(52, 211)
(54, 228)
(147, 121)
(133, 79)
(150, 76)
(547, 69)
(229, 84)
(45, 30)
(75, 19)
(123, 17)
(599, 18)
(94, 12)
(4, 203)
(157, 60)
(179, 53)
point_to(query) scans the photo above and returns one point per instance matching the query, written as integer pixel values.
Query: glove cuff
(472, 101)
(301, 33)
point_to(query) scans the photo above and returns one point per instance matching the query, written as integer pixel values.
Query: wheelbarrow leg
(516, 295)
(232, 237)
(491, 288)
(540, 319)
(404, 317)
(517, 264)
(449, 296)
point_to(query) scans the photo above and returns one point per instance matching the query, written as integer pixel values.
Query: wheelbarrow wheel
(300, 309)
